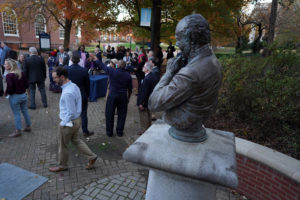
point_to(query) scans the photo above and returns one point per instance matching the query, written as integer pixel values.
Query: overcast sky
(251, 6)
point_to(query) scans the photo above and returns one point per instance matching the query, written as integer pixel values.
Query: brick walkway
(37, 151)
(130, 185)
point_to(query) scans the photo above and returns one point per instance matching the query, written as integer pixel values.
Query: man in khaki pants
(70, 110)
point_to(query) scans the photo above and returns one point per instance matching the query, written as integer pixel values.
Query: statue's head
(192, 30)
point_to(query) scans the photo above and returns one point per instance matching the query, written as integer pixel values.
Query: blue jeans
(18, 102)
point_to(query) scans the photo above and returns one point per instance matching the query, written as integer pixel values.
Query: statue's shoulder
(198, 62)
(201, 67)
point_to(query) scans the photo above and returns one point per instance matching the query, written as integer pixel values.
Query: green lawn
(225, 50)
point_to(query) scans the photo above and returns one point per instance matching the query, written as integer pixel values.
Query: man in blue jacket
(119, 94)
(80, 77)
(3, 55)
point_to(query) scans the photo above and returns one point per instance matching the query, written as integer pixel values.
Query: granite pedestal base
(163, 186)
(180, 167)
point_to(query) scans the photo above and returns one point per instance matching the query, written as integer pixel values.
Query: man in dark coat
(156, 69)
(145, 90)
(98, 53)
(80, 77)
(120, 90)
(170, 51)
(35, 71)
(160, 56)
(142, 59)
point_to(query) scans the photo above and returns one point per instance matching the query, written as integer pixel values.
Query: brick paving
(129, 185)
(37, 151)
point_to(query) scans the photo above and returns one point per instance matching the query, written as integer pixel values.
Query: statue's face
(182, 40)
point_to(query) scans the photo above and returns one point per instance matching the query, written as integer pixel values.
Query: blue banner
(145, 17)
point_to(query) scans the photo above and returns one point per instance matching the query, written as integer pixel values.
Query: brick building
(22, 36)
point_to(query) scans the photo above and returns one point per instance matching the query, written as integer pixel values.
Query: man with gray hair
(145, 90)
(62, 57)
(35, 71)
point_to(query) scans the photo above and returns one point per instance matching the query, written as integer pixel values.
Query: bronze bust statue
(188, 92)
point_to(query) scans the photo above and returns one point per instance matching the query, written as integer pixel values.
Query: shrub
(264, 92)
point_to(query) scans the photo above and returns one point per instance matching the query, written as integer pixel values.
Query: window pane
(61, 33)
(40, 25)
(10, 23)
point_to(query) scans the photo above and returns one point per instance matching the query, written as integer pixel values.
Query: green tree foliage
(220, 14)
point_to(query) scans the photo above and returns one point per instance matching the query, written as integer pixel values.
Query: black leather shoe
(140, 133)
(87, 134)
(27, 129)
(120, 134)
(32, 108)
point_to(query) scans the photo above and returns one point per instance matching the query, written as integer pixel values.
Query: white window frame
(45, 26)
(61, 30)
(78, 32)
(16, 22)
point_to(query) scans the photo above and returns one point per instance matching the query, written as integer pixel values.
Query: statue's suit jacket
(189, 96)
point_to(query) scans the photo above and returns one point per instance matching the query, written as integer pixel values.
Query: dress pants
(145, 119)
(84, 118)
(70, 134)
(41, 86)
(119, 101)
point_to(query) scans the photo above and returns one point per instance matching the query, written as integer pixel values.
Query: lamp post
(130, 35)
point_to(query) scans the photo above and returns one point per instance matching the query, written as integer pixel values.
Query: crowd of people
(69, 73)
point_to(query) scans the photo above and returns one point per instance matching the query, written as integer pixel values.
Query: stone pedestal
(181, 170)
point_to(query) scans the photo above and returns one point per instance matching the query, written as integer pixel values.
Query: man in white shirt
(70, 110)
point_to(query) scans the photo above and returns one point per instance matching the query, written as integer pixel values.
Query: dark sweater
(16, 85)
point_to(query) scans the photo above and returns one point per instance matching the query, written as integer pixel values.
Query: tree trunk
(68, 27)
(272, 23)
(238, 34)
(238, 45)
(155, 26)
(256, 43)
